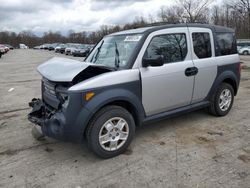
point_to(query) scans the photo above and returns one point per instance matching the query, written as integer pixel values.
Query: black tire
(214, 108)
(245, 53)
(96, 124)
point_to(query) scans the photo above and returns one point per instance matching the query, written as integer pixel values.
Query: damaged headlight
(64, 99)
(62, 95)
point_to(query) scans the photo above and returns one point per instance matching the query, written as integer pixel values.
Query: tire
(245, 53)
(98, 127)
(215, 108)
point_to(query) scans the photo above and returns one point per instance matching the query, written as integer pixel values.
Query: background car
(52, 46)
(241, 43)
(9, 46)
(4, 48)
(23, 46)
(244, 50)
(81, 51)
(71, 47)
(37, 47)
(45, 46)
(58, 47)
(62, 48)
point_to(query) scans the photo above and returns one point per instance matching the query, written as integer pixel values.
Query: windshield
(114, 51)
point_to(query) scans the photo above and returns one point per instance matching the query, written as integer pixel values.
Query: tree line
(231, 13)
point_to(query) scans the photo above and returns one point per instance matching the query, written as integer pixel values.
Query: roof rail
(166, 23)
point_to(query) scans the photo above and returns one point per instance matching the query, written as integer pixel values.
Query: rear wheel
(222, 100)
(110, 131)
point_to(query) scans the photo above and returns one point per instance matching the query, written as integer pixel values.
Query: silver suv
(135, 77)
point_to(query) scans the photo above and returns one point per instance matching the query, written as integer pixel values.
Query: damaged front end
(49, 112)
(61, 113)
(37, 115)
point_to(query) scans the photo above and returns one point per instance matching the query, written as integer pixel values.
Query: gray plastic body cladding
(230, 71)
(68, 118)
(79, 112)
(128, 92)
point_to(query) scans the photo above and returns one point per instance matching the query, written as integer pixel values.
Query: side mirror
(159, 61)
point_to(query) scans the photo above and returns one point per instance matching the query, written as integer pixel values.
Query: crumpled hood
(62, 69)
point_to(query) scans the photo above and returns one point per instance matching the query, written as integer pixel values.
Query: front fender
(109, 96)
(129, 92)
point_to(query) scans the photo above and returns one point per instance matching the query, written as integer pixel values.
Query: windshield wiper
(98, 52)
(117, 58)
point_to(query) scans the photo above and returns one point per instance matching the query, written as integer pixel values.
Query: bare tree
(173, 14)
(243, 8)
(195, 10)
(230, 13)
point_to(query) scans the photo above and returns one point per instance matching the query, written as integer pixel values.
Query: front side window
(226, 44)
(173, 47)
(202, 45)
(114, 51)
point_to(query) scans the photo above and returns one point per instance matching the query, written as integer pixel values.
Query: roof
(215, 28)
(132, 31)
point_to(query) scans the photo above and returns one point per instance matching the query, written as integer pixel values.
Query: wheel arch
(227, 77)
(129, 107)
(233, 83)
(118, 97)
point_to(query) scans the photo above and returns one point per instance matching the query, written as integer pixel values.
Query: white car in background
(244, 50)
(23, 46)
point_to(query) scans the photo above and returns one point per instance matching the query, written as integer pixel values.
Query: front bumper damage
(52, 122)
(36, 116)
(65, 123)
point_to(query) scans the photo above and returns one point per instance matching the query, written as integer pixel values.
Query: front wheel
(245, 53)
(222, 100)
(110, 131)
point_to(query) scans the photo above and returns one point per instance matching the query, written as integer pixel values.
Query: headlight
(64, 99)
(62, 94)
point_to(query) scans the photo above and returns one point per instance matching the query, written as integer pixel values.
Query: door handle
(191, 71)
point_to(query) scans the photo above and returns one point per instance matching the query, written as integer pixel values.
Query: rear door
(167, 87)
(203, 53)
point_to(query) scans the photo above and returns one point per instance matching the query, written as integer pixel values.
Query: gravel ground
(193, 150)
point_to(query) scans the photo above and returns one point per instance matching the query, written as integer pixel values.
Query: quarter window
(202, 45)
(226, 44)
(173, 47)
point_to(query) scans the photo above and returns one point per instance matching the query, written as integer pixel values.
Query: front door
(169, 86)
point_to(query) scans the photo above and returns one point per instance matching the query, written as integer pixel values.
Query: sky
(39, 16)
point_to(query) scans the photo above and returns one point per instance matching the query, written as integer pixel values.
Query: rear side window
(226, 44)
(172, 46)
(202, 45)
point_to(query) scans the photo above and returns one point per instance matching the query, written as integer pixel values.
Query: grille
(49, 87)
(49, 94)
